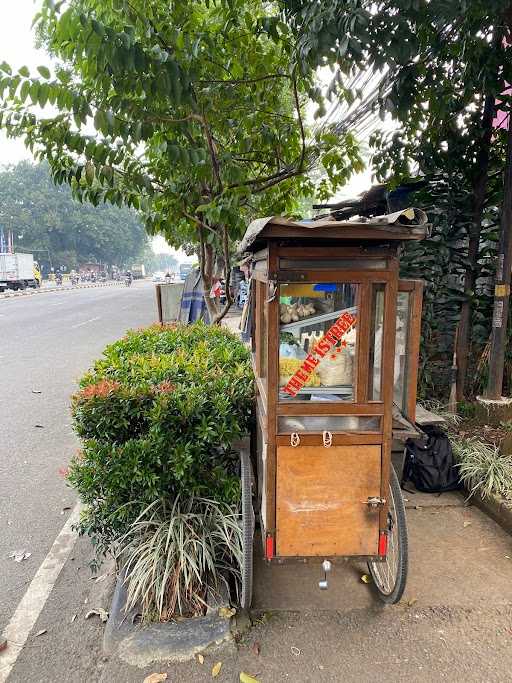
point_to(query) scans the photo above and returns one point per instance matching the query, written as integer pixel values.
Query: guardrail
(10, 294)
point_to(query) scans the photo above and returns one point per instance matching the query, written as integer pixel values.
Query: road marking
(32, 603)
(91, 320)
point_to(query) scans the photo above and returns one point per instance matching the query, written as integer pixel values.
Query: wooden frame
(268, 276)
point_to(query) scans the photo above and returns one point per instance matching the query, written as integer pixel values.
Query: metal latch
(375, 502)
(326, 566)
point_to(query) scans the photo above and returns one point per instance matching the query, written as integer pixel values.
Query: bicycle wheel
(247, 530)
(390, 576)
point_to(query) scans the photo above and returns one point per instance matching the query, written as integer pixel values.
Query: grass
(174, 557)
(483, 469)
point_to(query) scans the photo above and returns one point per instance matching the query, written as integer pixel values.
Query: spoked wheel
(390, 576)
(247, 530)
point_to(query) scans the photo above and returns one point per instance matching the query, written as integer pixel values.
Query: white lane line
(91, 320)
(32, 603)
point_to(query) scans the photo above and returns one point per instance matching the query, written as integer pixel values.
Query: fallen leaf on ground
(3, 644)
(19, 555)
(37, 391)
(200, 659)
(295, 650)
(467, 524)
(67, 507)
(216, 669)
(100, 612)
(365, 578)
(73, 618)
(41, 632)
(412, 602)
(227, 612)
(155, 678)
(40, 426)
(245, 678)
(256, 648)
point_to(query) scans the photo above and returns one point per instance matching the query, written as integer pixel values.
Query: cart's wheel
(390, 576)
(247, 529)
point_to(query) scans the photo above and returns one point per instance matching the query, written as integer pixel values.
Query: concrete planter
(174, 641)
(497, 508)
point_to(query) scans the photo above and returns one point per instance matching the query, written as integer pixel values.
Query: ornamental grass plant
(157, 416)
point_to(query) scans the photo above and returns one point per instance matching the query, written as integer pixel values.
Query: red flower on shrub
(165, 387)
(64, 472)
(99, 390)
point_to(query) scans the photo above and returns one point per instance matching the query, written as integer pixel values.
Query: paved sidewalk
(454, 623)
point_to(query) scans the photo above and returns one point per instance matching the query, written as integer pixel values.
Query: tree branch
(301, 124)
(242, 81)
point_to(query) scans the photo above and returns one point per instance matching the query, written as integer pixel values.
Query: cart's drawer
(321, 495)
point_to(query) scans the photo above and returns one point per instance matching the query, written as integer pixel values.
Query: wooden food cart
(335, 337)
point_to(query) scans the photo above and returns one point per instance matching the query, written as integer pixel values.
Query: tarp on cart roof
(407, 224)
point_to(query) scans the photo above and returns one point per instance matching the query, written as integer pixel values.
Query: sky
(17, 49)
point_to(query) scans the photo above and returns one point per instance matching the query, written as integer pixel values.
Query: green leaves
(44, 71)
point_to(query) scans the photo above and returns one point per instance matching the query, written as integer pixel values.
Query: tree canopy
(45, 219)
(442, 65)
(197, 109)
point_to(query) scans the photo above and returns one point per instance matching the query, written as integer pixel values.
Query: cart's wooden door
(322, 498)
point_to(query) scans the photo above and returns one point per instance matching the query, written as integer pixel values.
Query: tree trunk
(481, 176)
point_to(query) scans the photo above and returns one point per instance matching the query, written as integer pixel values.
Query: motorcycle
(128, 281)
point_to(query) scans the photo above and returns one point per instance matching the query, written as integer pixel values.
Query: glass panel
(401, 347)
(317, 341)
(263, 330)
(333, 264)
(376, 332)
(288, 424)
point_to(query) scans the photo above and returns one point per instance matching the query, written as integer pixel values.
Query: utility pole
(502, 282)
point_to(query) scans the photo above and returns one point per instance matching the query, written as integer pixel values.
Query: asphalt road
(46, 343)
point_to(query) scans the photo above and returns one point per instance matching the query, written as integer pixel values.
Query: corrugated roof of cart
(409, 224)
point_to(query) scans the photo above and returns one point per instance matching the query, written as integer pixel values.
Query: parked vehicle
(139, 271)
(185, 269)
(17, 271)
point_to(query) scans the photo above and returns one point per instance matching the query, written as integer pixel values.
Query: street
(454, 623)
(46, 343)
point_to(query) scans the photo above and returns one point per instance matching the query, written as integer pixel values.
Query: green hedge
(158, 415)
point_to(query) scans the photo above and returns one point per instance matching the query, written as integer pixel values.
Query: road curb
(45, 290)
(497, 508)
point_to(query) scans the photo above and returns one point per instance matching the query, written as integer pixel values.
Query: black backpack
(429, 463)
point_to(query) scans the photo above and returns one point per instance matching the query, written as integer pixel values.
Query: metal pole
(502, 283)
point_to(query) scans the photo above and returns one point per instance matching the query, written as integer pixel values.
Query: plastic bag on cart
(429, 463)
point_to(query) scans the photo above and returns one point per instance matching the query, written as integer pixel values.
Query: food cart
(335, 341)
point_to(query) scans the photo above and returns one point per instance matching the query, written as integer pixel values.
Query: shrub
(158, 415)
(483, 468)
(174, 557)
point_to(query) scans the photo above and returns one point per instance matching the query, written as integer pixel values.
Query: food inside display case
(317, 344)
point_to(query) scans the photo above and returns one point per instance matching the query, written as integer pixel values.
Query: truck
(138, 271)
(17, 271)
(185, 269)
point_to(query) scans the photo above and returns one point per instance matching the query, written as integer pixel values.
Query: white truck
(17, 271)
(138, 271)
